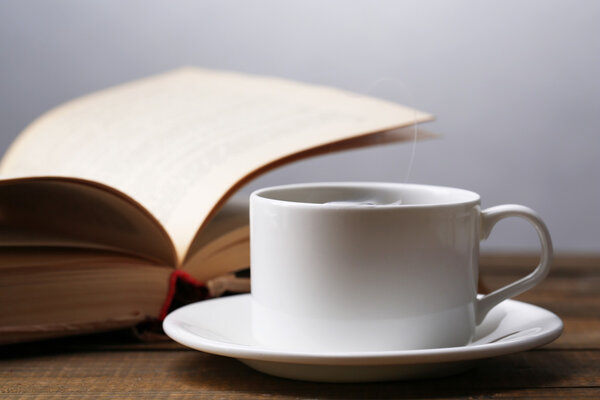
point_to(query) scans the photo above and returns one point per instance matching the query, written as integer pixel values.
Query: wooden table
(117, 366)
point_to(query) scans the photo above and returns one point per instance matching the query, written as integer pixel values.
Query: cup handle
(489, 218)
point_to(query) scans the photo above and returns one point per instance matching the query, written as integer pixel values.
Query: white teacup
(333, 272)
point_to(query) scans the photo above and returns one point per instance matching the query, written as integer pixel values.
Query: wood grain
(117, 366)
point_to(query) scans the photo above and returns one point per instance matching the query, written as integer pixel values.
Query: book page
(222, 246)
(67, 213)
(177, 143)
(51, 292)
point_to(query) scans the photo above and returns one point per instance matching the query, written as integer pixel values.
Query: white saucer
(223, 326)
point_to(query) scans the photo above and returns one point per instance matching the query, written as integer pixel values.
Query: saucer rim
(172, 327)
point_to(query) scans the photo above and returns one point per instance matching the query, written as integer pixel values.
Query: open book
(108, 200)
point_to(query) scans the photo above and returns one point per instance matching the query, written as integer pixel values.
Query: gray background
(514, 84)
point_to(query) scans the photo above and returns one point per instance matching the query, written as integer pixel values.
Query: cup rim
(462, 196)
